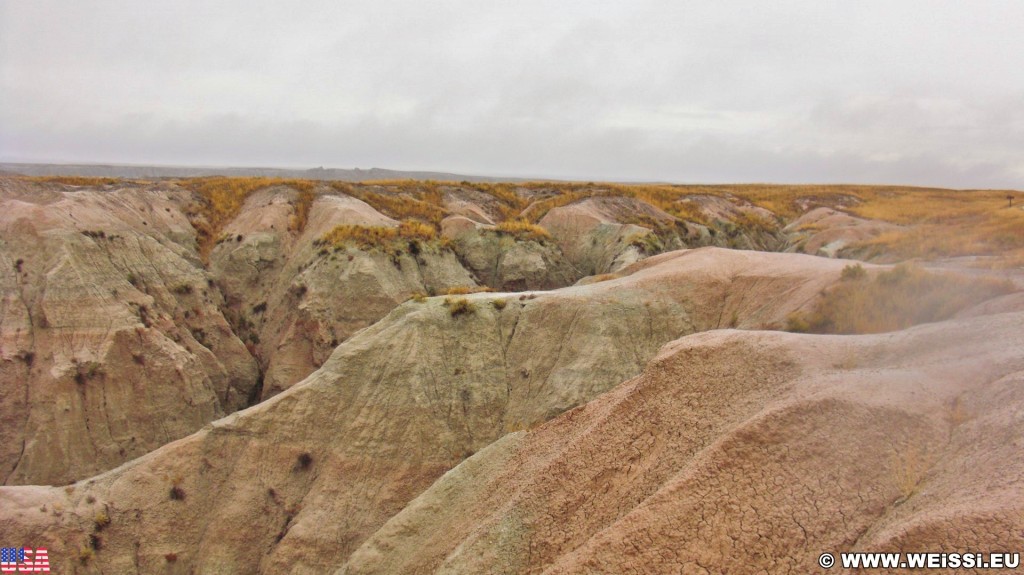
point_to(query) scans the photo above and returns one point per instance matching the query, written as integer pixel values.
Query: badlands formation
(286, 376)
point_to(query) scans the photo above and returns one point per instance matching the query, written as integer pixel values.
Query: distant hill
(155, 172)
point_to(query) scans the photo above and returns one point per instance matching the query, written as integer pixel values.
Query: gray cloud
(920, 92)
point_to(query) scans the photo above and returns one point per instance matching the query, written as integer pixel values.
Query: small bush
(183, 289)
(177, 493)
(170, 557)
(85, 555)
(95, 541)
(459, 306)
(853, 272)
(200, 336)
(499, 304)
(909, 470)
(797, 322)
(304, 461)
(418, 297)
(101, 521)
(259, 308)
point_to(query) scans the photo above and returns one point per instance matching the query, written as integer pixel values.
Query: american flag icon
(24, 560)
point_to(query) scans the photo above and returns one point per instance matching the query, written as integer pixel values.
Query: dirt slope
(745, 452)
(393, 408)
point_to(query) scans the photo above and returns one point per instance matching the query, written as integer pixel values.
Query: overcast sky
(918, 92)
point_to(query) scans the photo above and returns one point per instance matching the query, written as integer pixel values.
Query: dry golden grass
(669, 199)
(463, 290)
(894, 300)
(222, 198)
(523, 230)
(400, 199)
(909, 470)
(74, 180)
(502, 192)
(510, 204)
(459, 306)
(306, 189)
(362, 237)
(672, 199)
(973, 223)
(939, 222)
(410, 236)
(541, 208)
(372, 236)
(220, 201)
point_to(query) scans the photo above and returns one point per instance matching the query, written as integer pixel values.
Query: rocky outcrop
(508, 263)
(295, 300)
(737, 223)
(393, 408)
(597, 235)
(603, 233)
(828, 232)
(111, 336)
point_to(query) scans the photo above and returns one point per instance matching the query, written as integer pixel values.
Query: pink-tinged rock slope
(745, 452)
